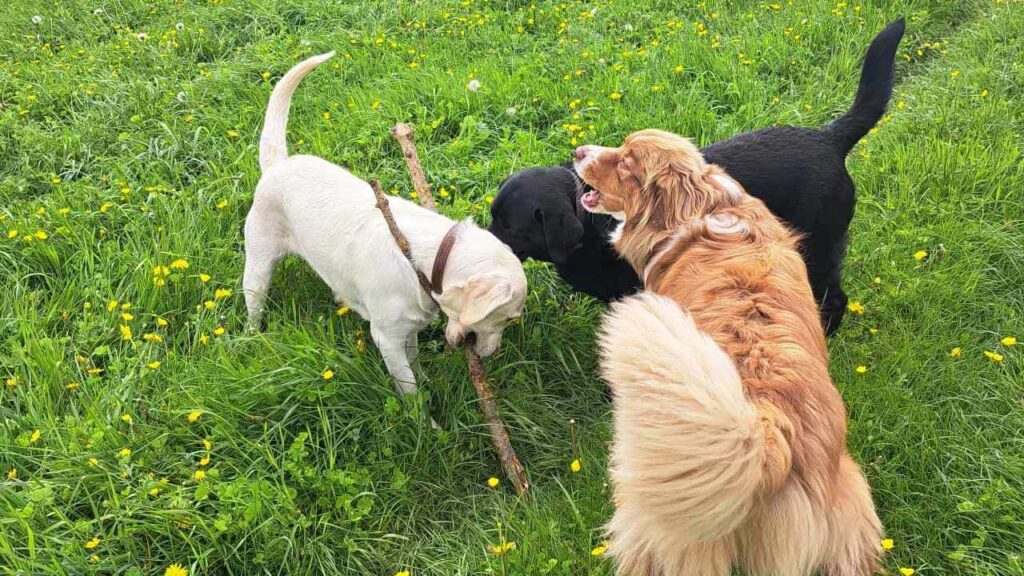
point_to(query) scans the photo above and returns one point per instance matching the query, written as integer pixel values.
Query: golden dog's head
(655, 179)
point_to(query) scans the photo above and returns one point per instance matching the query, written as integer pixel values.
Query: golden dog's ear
(482, 296)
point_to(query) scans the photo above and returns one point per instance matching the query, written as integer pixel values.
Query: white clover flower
(511, 111)
(98, 11)
(179, 26)
(303, 42)
(37, 19)
(473, 85)
(628, 27)
(181, 96)
(142, 36)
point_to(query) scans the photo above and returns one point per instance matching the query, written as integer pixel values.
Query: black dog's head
(535, 214)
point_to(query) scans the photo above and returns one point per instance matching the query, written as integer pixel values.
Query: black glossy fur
(799, 173)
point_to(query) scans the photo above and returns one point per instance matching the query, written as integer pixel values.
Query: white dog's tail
(273, 145)
(691, 453)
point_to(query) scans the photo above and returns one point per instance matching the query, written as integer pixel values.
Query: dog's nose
(581, 152)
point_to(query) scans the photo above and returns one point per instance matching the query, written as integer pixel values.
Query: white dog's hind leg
(262, 252)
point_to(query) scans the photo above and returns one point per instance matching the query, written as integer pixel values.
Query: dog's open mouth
(591, 200)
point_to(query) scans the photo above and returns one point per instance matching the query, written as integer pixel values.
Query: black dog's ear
(562, 232)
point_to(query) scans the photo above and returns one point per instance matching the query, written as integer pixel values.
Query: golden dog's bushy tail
(273, 144)
(690, 453)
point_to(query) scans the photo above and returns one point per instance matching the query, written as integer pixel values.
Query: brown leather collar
(441, 259)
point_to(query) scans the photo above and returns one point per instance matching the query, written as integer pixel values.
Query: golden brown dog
(730, 438)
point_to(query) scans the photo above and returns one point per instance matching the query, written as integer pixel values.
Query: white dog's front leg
(392, 348)
(395, 350)
(412, 347)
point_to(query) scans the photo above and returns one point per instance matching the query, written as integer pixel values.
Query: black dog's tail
(874, 90)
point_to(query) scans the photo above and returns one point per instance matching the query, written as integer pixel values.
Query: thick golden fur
(721, 460)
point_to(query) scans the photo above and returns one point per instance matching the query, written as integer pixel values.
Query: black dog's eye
(538, 216)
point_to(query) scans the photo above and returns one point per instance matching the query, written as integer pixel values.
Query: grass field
(140, 427)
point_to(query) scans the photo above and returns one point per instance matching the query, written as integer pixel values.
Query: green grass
(132, 152)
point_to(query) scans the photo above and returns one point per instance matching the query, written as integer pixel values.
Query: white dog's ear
(483, 295)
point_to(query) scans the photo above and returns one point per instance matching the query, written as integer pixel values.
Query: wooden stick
(499, 435)
(404, 133)
(403, 244)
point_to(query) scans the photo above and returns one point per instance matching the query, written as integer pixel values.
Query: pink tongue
(590, 198)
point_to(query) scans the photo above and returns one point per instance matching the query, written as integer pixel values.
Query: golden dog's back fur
(779, 497)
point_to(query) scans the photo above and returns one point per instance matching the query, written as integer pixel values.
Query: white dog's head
(482, 302)
(483, 306)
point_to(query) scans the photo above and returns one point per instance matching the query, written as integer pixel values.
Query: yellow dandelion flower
(91, 544)
(599, 550)
(955, 352)
(161, 322)
(861, 369)
(920, 255)
(954, 73)
(994, 356)
(127, 316)
(615, 96)
(575, 466)
(179, 264)
(856, 307)
(71, 385)
(194, 415)
(125, 452)
(343, 310)
(360, 345)
(678, 69)
(112, 305)
(36, 435)
(204, 339)
(209, 304)
(1008, 341)
(12, 473)
(199, 475)
(328, 374)
(221, 293)
(493, 482)
(151, 337)
(41, 234)
(12, 233)
(93, 462)
(207, 445)
(907, 571)
(204, 460)
(232, 133)
(222, 204)
(218, 331)
(94, 558)
(502, 549)
(153, 365)
(888, 544)
(204, 278)
(127, 419)
(402, 573)
(126, 332)
(11, 383)
(176, 569)
(154, 491)
(984, 93)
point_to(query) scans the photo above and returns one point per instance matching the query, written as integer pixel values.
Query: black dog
(799, 173)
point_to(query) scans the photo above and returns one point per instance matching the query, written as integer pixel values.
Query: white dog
(307, 206)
